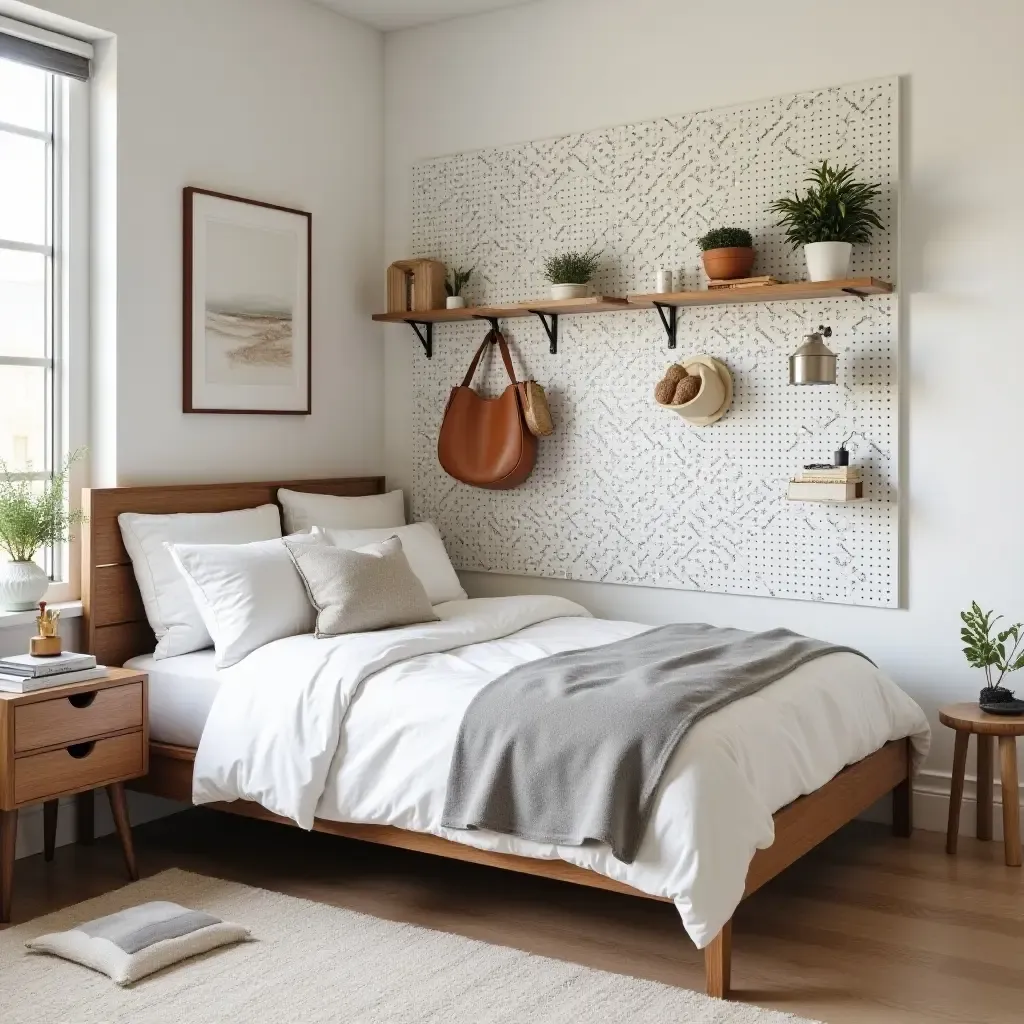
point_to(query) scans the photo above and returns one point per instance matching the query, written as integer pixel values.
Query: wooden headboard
(114, 621)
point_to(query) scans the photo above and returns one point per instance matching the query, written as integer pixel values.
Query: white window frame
(67, 248)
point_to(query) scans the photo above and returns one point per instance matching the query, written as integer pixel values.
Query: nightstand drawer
(65, 720)
(82, 766)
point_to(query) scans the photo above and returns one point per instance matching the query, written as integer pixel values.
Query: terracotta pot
(727, 264)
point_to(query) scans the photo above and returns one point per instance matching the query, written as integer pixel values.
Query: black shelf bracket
(669, 321)
(550, 323)
(492, 320)
(856, 291)
(425, 332)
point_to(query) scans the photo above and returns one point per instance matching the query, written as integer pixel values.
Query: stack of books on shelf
(24, 673)
(834, 483)
(739, 283)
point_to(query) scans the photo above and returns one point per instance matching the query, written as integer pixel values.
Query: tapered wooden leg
(902, 805)
(8, 835)
(85, 819)
(984, 799)
(718, 963)
(119, 808)
(956, 789)
(1011, 799)
(49, 828)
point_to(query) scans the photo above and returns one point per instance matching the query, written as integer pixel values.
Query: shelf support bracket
(425, 332)
(492, 320)
(669, 321)
(856, 291)
(550, 323)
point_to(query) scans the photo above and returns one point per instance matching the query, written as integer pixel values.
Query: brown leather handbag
(485, 441)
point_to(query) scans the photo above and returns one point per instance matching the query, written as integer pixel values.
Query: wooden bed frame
(115, 629)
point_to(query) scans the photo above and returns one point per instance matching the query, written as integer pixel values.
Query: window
(43, 267)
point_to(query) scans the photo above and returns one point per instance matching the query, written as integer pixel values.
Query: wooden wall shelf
(667, 304)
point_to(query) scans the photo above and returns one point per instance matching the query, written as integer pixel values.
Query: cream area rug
(313, 963)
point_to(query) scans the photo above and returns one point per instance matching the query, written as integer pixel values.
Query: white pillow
(248, 594)
(423, 547)
(170, 609)
(303, 511)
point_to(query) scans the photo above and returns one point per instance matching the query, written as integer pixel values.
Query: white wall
(279, 100)
(569, 65)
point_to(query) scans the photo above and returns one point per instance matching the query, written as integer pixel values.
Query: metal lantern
(813, 362)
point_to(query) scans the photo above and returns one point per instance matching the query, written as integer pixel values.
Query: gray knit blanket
(571, 749)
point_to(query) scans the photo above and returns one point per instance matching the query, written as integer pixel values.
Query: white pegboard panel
(625, 492)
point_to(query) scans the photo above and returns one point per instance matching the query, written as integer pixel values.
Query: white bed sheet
(366, 728)
(181, 692)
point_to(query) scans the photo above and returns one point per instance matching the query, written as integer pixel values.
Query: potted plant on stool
(833, 216)
(728, 253)
(31, 518)
(570, 273)
(988, 653)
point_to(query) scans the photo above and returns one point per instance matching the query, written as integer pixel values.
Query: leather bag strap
(492, 337)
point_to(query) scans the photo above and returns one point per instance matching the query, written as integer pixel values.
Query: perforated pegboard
(626, 492)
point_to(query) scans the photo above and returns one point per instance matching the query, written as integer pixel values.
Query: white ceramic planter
(570, 291)
(22, 586)
(455, 302)
(828, 261)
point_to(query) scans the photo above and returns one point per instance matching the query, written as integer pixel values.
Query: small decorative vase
(570, 291)
(729, 263)
(455, 302)
(828, 261)
(22, 586)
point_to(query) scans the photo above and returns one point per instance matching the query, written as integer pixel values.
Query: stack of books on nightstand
(834, 483)
(24, 673)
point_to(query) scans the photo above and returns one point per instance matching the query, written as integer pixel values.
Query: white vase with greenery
(31, 518)
(570, 272)
(829, 219)
(455, 280)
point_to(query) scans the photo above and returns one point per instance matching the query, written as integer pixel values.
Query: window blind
(39, 55)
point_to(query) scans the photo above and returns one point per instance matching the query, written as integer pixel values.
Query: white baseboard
(141, 808)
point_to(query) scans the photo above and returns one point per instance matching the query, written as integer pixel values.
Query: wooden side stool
(967, 719)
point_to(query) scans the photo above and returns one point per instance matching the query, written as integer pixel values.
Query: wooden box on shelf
(415, 285)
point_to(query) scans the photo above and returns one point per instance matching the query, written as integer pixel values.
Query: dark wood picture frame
(188, 259)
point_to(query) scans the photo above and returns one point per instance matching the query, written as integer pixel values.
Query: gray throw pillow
(355, 591)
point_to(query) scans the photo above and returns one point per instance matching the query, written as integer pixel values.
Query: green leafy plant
(456, 279)
(571, 267)
(32, 518)
(988, 652)
(726, 238)
(834, 209)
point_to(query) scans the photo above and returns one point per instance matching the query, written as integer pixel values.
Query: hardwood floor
(867, 928)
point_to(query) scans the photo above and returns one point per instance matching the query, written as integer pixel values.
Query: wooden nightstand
(66, 740)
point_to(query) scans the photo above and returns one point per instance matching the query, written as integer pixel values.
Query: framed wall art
(247, 306)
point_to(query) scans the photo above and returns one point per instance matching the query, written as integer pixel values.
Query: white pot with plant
(990, 652)
(455, 280)
(834, 215)
(31, 518)
(570, 273)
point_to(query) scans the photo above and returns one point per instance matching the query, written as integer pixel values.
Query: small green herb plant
(988, 652)
(456, 279)
(32, 518)
(571, 267)
(835, 208)
(726, 238)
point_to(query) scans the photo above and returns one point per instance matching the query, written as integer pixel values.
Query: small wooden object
(415, 285)
(966, 719)
(69, 740)
(47, 642)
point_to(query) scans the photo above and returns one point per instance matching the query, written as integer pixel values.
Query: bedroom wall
(564, 66)
(279, 100)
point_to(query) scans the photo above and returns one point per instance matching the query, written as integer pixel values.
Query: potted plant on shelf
(455, 280)
(570, 273)
(834, 215)
(728, 253)
(31, 518)
(989, 653)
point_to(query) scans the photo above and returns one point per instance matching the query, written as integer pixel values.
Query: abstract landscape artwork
(247, 306)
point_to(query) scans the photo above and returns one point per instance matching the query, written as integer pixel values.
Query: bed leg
(902, 805)
(718, 963)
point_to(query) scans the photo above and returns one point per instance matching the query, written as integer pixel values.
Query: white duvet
(361, 729)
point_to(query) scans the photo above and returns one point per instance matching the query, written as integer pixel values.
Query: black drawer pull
(80, 750)
(82, 700)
